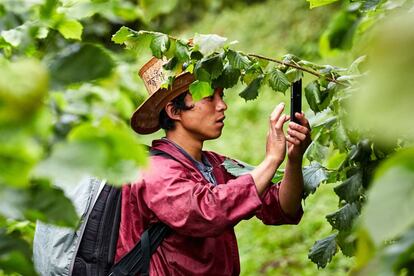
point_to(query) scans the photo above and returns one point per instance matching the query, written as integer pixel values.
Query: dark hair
(178, 103)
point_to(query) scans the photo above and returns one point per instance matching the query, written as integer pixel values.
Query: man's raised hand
(298, 138)
(276, 140)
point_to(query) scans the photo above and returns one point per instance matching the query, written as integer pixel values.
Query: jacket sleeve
(200, 209)
(271, 212)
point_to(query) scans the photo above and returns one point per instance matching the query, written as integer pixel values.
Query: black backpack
(97, 248)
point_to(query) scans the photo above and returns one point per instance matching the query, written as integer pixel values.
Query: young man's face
(205, 120)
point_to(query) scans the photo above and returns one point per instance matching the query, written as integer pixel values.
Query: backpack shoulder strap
(138, 259)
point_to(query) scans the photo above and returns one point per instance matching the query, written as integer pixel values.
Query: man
(188, 188)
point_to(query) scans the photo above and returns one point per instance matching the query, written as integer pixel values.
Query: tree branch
(295, 66)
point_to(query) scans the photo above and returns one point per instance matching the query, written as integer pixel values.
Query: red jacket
(201, 215)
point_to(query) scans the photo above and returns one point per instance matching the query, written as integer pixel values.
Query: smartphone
(295, 100)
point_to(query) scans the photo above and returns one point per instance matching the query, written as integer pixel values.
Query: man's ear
(172, 113)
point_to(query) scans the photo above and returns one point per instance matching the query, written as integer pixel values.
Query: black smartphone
(295, 100)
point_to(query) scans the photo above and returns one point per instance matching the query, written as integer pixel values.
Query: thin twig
(294, 66)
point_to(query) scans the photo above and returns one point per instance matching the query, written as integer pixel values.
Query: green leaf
(208, 44)
(323, 250)
(252, 90)
(200, 89)
(15, 254)
(201, 73)
(278, 81)
(159, 45)
(339, 137)
(70, 29)
(154, 8)
(40, 201)
(399, 254)
(313, 175)
(317, 152)
(171, 64)
(49, 204)
(238, 168)
(313, 96)
(81, 63)
(23, 87)
(391, 197)
(181, 51)
(238, 60)
(209, 69)
(351, 189)
(344, 217)
(228, 78)
(318, 3)
(106, 149)
(293, 74)
(347, 242)
(123, 34)
(70, 162)
(11, 202)
(13, 36)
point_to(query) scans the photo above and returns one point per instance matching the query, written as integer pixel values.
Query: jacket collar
(169, 148)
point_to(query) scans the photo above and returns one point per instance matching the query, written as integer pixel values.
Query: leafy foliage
(323, 251)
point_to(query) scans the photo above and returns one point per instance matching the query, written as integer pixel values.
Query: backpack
(90, 249)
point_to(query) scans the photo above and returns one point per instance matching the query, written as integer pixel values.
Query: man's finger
(301, 129)
(302, 120)
(277, 111)
(296, 134)
(292, 140)
(279, 124)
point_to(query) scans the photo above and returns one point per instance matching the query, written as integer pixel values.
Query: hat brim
(145, 119)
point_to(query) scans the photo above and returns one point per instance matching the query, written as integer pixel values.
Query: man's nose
(221, 105)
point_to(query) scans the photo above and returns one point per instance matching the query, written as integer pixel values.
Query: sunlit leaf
(159, 45)
(293, 74)
(318, 3)
(123, 34)
(137, 41)
(181, 51)
(70, 29)
(208, 44)
(200, 89)
(13, 36)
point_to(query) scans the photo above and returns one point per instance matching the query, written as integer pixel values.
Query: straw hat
(145, 119)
